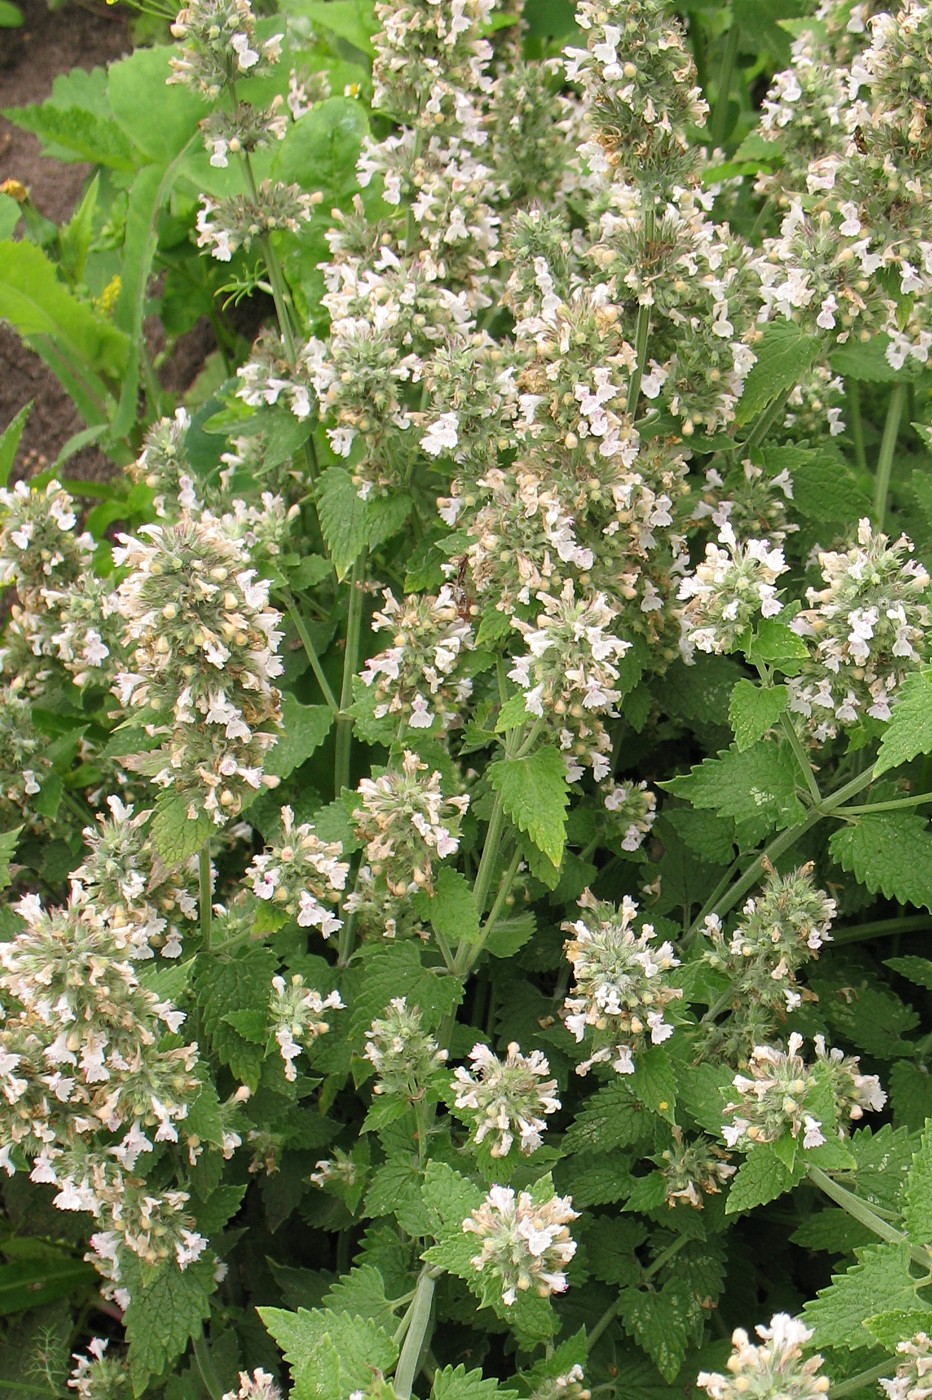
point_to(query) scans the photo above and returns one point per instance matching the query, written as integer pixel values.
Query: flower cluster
(509, 1098)
(259, 1386)
(226, 226)
(98, 1376)
(419, 677)
(297, 1017)
(868, 629)
(203, 643)
(569, 675)
(525, 1242)
(774, 1095)
(777, 933)
(693, 1169)
(620, 994)
(407, 824)
(405, 1056)
(569, 1386)
(728, 591)
(633, 809)
(911, 1380)
(301, 875)
(217, 45)
(776, 1368)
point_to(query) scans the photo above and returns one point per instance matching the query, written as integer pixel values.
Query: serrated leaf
(510, 935)
(396, 971)
(825, 489)
(450, 1199)
(882, 1157)
(610, 1119)
(352, 20)
(8, 840)
(456, 1383)
(891, 1328)
(535, 797)
(776, 645)
(396, 1189)
(909, 730)
(762, 1177)
(833, 1231)
(910, 1089)
(917, 1197)
(38, 304)
(224, 984)
(784, 354)
(174, 837)
(304, 729)
(330, 1353)
(451, 909)
(662, 1323)
(753, 709)
(916, 970)
(165, 1312)
(361, 1293)
(610, 1245)
(350, 524)
(891, 854)
(654, 1083)
(756, 788)
(879, 1282)
(10, 438)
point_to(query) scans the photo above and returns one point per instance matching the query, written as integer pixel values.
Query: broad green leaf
(361, 1293)
(917, 970)
(753, 710)
(10, 215)
(891, 1328)
(450, 1199)
(350, 524)
(330, 1353)
(74, 134)
(321, 148)
(9, 442)
(609, 1119)
(176, 838)
(451, 909)
(833, 1231)
(224, 983)
(611, 1243)
(661, 1322)
(304, 729)
(756, 788)
(910, 1089)
(762, 1177)
(879, 1282)
(909, 731)
(776, 644)
(11, 16)
(917, 1198)
(825, 489)
(891, 854)
(36, 303)
(535, 796)
(31, 1282)
(165, 1312)
(136, 89)
(395, 970)
(784, 354)
(654, 1083)
(8, 840)
(867, 361)
(352, 20)
(456, 1383)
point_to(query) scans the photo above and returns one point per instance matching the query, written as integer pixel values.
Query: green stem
(310, 652)
(344, 741)
(802, 759)
(490, 854)
(204, 894)
(853, 400)
(723, 90)
(891, 430)
(859, 1210)
(782, 843)
(205, 1365)
(880, 928)
(861, 1380)
(408, 1362)
(664, 1258)
(895, 804)
(765, 422)
(642, 328)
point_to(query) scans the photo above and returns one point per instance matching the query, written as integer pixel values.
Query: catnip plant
(463, 824)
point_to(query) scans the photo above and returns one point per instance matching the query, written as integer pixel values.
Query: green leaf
(395, 970)
(176, 838)
(909, 731)
(450, 1199)
(136, 89)
(917, 970)
(165, 1312)
(361, 1293)
(776, 644)
(350, 524)
(762, 1177)
(610, 1119)
(610, 1244)
(31, 1282)
(11, 16)
(451, 909)
(879, 1282)
(661, 1322)
(910, 1088)
(891, 1328)
(535, 796)
(756, 787)
(352, 20)
(9, 442)
(304, 729)
(891, 854)
(322, 147)
(456, 1383)
(10, 215)
(754, 709)
(825, 489)
(867, 360)
(784, 354)
(330, 1353)
(225, 983)
(917, 1209)
(654, 1083)
(8, 840)
(36, 303)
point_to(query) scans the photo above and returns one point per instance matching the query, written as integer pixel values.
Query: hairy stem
(204, 894)
(310, 652)
(891, 430)
(415, 1333)
(350, 666)
(205, 1365)
(723, 90)
(853, 400)
(895, 804)
(859, 1210)
(861, 1381)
